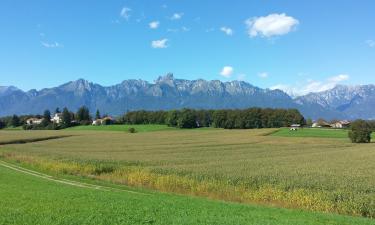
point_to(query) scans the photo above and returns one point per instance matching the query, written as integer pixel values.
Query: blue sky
(298, 46)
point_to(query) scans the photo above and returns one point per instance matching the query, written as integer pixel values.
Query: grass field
(138, 128)
(31, 200)
(312, 132)
(319, 174)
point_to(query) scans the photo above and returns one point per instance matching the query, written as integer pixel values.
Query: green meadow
(27, 199)
(268, 167)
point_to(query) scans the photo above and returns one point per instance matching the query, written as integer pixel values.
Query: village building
(34, 121)
(57, 118)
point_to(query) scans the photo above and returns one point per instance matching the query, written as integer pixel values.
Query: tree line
(225, 118)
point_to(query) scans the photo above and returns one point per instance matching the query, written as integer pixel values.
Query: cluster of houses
(342, 124)
(336, 124)
(57, 118)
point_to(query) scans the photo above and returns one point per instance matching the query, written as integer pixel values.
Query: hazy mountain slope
(170, 93)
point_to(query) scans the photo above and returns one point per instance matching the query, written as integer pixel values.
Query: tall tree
(66, 117)
(46, 118)
(83, 114)
(360, 132)
(15, 121)
(57, 110)
(97, 114)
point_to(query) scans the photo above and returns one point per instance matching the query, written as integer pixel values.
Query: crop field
(248, 166)
(28, 199)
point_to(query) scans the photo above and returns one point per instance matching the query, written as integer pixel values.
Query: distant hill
(342, 102)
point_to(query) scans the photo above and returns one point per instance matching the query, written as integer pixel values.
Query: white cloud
(308, 86)
(160, 43)
(51, 45)
(176, 16)
(227, 71)
(125, 13)
(228, 31)
(271, 25)
(263, 75)
(154, 24)
(185, 29)
(370, 43)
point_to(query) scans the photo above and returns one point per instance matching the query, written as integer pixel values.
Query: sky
(297, 46)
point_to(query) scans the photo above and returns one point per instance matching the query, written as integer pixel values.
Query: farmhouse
(104, 121)
(32, 121)
(57, 118)
(341, 124)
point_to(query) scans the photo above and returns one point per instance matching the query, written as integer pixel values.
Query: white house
(295, 127)
(32, 121)
(57, 118)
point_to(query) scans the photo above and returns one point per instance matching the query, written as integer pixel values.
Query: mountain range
(341, 102)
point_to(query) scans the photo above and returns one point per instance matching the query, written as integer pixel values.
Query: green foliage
(132, 130)
(229, 119)
(46, 118)
(187, 119)
(82, 115)
(172, 118)
(66, 117)
(97, 115)
(360, 132)
(2, 124)
(15, 121)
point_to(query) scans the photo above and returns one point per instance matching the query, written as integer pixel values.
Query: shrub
(132, 130)
(360, 132)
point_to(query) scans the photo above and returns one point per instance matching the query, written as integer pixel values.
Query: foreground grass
(320, 174)
(31, 200)
(125, 128)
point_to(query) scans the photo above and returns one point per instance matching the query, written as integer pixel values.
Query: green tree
(57, 110)
(66, 117)
(46, 118)
(172, 118)
(15, 121)
(309, 122)
(97, 114)
(360, 132)
(83, 114)
(187, 119)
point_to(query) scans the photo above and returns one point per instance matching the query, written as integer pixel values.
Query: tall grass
(342, 202)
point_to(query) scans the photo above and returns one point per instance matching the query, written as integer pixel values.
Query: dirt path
(64, 181)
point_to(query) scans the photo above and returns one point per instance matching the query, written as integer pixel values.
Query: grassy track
(320, 174)
(27, 199)
(139, 128)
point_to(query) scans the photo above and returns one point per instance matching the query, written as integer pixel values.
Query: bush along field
(234, 165)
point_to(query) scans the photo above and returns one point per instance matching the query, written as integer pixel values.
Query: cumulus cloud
(308, 86)
(228, 31)
(370, 43)
(176, 16)
(263, 75)
(271, 25)
(227, 71)
(51, 45)
(154, 24)
(159, 43)
(125, 13)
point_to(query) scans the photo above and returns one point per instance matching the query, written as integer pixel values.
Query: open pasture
(321, 174)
